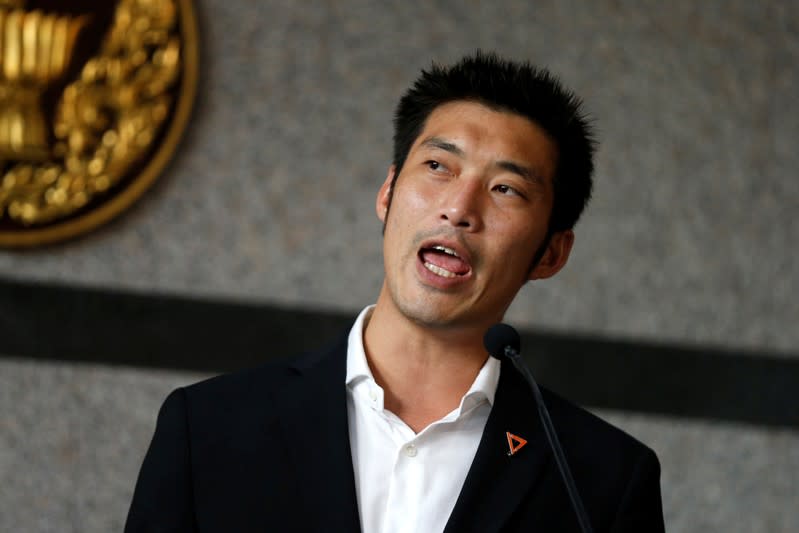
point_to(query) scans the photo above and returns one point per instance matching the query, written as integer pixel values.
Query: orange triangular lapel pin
(514, 443)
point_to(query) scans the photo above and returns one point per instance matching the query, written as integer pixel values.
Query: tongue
(445, 261)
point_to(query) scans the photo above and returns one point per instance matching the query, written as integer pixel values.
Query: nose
(460, 205)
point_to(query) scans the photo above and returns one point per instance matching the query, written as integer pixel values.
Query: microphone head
(498, 337)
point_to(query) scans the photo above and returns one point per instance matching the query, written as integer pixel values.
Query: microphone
(502, 340)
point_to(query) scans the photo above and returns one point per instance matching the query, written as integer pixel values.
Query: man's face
(469, 210)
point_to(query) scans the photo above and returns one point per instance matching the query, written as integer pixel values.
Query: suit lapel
(314, 417)
(497, 483)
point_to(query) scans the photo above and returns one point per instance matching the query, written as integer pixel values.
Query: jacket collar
(498, 482)
(313, 413)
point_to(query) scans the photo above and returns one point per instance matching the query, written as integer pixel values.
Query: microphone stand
(552, 437)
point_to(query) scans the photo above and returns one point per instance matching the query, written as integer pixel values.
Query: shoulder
(242, 385)
(245, 394)
(595, 446)
(580, 424)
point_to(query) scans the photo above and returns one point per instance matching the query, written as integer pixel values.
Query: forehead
(482, 133)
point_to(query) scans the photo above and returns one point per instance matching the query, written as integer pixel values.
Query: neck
(424, 370)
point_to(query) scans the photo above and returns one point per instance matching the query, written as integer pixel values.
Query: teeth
(438, 270)
(446, 250)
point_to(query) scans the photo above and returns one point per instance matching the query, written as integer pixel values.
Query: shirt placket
(406, 486)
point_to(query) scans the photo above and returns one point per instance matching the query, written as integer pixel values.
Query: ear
(384, 196)
(555, 256)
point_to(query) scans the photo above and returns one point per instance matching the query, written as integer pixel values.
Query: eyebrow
(527, 173)
(438, 142)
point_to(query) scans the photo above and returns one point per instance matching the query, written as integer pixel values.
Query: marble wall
(270, 198)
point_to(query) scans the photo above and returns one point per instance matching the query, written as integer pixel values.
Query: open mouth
(444, 261)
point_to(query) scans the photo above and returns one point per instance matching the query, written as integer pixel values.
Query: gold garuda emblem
(94, 96)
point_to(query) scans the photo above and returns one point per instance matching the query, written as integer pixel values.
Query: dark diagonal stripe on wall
(118, 328)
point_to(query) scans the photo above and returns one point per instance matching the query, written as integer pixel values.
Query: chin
(421, 311)
(432, 314)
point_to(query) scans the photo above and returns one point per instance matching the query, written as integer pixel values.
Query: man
(408, 425)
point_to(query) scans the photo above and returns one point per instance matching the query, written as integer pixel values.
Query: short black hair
(518, 88)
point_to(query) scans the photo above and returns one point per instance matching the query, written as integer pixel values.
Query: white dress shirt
(404, 481)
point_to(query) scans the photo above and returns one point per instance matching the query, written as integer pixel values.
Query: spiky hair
(518, 88)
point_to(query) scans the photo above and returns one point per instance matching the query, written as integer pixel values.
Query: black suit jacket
(268, 450)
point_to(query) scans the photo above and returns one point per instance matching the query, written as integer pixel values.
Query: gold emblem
(94, 96)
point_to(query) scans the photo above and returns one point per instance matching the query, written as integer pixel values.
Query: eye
(434, 165)
(506, 189)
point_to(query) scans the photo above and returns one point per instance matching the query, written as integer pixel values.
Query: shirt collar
(484, 386)
(357, 367)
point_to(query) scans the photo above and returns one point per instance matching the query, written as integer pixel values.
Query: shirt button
(410, 450)
(373, 395)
